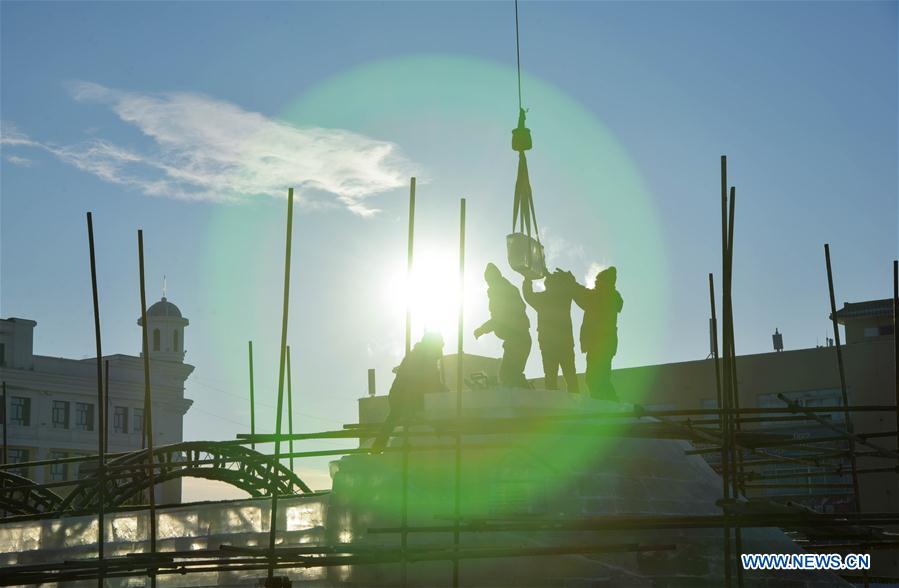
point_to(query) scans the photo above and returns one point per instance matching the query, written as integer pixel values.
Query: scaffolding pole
(252, 393)
(896, 339)
(148, 403)
(843, 390)
(410, 248)
(460, 374)
(289, 407)
(101, 449)
(273, 515)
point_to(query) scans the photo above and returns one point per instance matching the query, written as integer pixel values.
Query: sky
(191, 120)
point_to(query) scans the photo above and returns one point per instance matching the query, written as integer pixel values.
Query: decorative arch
(244, 468)
(23, 496)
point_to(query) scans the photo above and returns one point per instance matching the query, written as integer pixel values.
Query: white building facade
(51, 402)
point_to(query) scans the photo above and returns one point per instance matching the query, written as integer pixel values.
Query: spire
(163, 286)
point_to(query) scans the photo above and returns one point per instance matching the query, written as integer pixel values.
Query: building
(51, 402)
(867, 321)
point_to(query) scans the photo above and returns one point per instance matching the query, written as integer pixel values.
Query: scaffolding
(743, 455)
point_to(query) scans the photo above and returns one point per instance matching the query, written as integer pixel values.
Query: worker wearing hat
(509, 322)
(599, 330)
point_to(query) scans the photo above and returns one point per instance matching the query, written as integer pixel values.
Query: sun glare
(432, 293)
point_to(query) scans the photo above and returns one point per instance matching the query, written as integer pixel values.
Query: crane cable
(517, 55)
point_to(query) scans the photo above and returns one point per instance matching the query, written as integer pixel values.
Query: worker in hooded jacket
(554, 332)
(599, 331)
(508, 321)
(418, 374)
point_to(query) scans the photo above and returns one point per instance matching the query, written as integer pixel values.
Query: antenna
(163, 285)
(778, 340)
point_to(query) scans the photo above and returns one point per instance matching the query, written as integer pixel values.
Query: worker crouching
(418, 374)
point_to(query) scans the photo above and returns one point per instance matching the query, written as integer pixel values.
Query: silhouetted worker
(553, 307)
(599, 331)
(510, 323)
(418, 374)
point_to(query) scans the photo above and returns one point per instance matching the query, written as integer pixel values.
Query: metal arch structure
(23, 496)
(127, 476)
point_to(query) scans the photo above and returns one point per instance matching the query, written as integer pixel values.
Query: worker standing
(509, 321)
(418, 374)
(554, 335)
(599, 331)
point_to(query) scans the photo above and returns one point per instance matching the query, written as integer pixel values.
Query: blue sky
(189, 121)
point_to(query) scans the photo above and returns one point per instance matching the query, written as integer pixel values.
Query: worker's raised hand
(478, 332)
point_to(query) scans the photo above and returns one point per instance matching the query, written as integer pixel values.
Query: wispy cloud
(16, 160)
(208, 149)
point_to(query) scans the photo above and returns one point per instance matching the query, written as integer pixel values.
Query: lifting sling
(523, 247)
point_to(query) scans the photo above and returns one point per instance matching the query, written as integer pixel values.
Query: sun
(431, 292)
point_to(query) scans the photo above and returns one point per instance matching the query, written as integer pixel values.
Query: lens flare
(452, 116)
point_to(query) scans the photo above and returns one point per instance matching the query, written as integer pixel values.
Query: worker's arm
(531, 297)
(487, 327)
(580, 294)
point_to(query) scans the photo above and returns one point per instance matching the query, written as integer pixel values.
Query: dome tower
(165, 331)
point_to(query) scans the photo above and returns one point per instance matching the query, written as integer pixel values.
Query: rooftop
(866, 309)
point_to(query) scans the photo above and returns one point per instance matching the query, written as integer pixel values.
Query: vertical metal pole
(895, 341)
(103, 420)
(148, 406)
(5, 458)
(725, 388)
(101, 453)
(252, 400)
(845, 394)
(404, 535)
(715, 350)
(733, 352)
(371, 382)
(737, 454)
(289, 408)
(273, 517)
(411, 243)
(460, 374)
(404, 520)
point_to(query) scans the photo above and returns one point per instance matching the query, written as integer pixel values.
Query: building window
(59, 472)
(808, 398)
(20, 411)
(60, 414)
(137, 420)
(175, 341)
(120, 420)
(75, 466)
(2, 353)
(155, 339)
(84, 416)
(18, 455)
